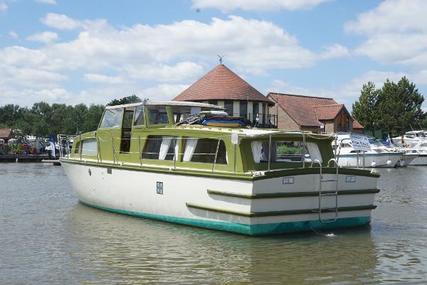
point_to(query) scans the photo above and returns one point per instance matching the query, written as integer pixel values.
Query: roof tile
(221, 84)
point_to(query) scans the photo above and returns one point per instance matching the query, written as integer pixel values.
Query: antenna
(220, 57)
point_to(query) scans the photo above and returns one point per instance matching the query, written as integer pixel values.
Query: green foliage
(43, 119)
(366, 110)
(125, 100)
(395, 108)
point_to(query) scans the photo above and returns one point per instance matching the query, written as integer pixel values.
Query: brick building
(223, 87)
(316, 114)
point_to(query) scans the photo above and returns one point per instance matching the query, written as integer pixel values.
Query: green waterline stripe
(246, 229)
(234, 176)
(280, 213)
(290, 194)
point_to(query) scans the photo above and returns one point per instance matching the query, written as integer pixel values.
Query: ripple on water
(51, 238)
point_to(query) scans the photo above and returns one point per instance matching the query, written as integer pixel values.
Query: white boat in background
(369, 156)
(410, 139)
(419, 152)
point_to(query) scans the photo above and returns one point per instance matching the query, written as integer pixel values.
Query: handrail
(316, 161)
(334, 161)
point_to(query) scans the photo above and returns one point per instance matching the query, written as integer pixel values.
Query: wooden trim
(290, 194)
(281, 212)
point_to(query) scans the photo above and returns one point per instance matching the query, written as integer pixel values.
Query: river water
(47, 237)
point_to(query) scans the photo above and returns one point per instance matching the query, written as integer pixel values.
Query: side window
(180, 113)
(157, 115)
(112, 118)
(77, 147)
(139, 116)
(281, 151)
(161, 148)
(89, 147)
(205, 150)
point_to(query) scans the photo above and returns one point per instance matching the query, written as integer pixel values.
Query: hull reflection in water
(117, 247)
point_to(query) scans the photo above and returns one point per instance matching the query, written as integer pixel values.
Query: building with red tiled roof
(5, 134)
(357, 127)
(316, 114)
(223, 87)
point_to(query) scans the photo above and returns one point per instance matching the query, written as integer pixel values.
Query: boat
(157, 160)
(374, 156)
(419, 152)
(410, 138)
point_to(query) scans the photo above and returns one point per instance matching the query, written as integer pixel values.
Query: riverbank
(23, 158)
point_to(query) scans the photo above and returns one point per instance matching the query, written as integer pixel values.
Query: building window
(228, 107)
(244, 109)
(205, 150)
(213, 102)
(255, 110)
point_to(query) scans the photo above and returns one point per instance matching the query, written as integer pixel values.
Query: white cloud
(3, 7)
(164, 73)
(142, 55)
(13, 35)
(251, 45)
(104, 79)
(60, 22)
(229, 5)
(44, 37)
(396, 32)
(162, 91)
(335, 51)
(49, 2)
(29, 77)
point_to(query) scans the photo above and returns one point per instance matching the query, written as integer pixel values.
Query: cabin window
(161, 148)
(205, 150)
(281, 151)
(77, 147)
(89, 147)
(139, 116)
(112, 118)
(180, 113)
(228, 107)
(157, 115)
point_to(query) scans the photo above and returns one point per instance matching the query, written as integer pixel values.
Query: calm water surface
(46, 236)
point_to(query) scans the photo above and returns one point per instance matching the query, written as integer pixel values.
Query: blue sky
(92, 51)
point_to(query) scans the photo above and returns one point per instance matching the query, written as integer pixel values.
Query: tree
(395, 108)
(366, 109)
(125, 100)
(400, 106)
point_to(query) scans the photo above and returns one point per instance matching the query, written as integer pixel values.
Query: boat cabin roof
(167, 103)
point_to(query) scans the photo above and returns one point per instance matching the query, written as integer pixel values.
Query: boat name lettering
(159, 188)
(288, 180)
(350, 179)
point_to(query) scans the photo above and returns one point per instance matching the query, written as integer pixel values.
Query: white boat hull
(369, 161)
(242, 206)
(420, 160)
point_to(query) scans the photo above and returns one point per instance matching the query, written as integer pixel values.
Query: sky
(88, 52)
